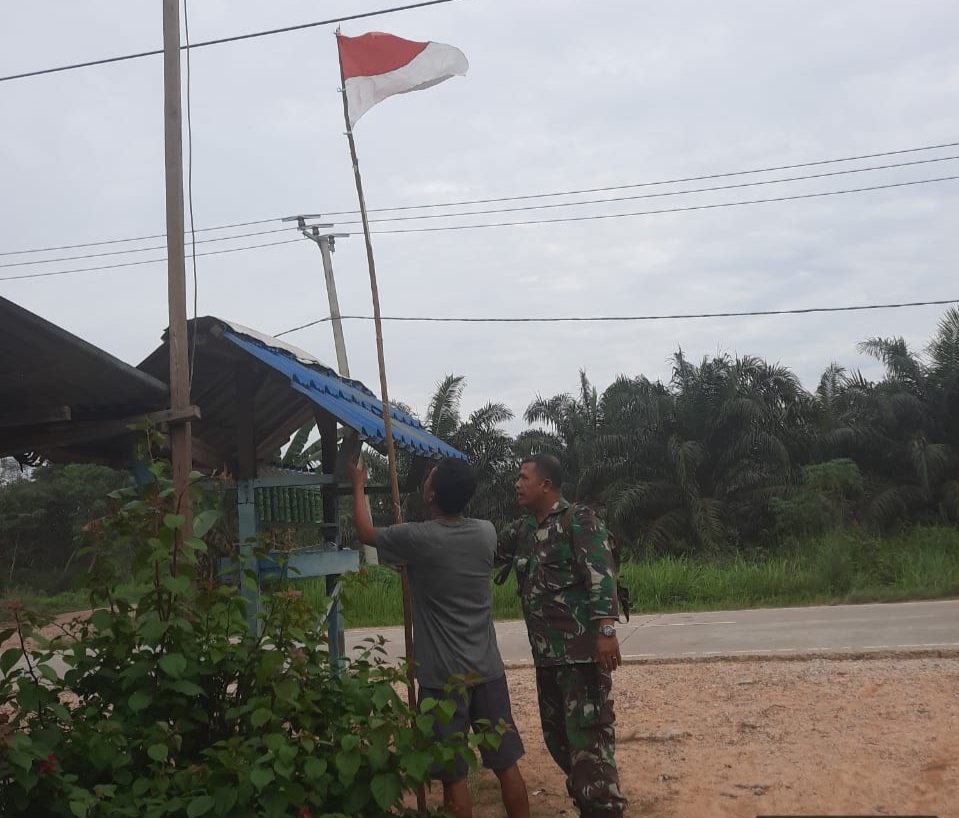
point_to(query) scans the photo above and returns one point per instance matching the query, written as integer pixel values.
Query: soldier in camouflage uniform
(567, 586)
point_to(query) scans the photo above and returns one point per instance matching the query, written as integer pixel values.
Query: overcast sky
(560, 95)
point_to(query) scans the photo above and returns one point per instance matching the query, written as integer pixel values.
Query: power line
(630, 186)
(223, 40)
(505, 210)
(144, 261)
(516, 224)
(612, 318)
(654, 195)
(464, 203)
(140, 238)
(140, 249)
(567, 219)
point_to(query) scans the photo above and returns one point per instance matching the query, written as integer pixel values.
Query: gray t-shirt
(449, 565)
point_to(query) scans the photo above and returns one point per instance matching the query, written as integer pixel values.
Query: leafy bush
(40, 519)
(164, 702)
(821, 503)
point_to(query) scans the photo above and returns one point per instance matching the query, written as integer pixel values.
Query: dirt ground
(747, 738)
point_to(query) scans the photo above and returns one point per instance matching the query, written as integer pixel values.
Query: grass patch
(373, 597)
(840, 568)
(48, 604)
(922, 563)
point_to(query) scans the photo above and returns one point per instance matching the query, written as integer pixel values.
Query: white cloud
(554, 100)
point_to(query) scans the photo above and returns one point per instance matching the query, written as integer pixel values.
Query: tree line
(732, 454)
(729, 455)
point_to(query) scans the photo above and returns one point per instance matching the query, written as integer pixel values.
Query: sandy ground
(748, 738)
(738, 739)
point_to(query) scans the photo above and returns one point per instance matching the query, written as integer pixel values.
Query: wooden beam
(66, 434)
(39, 441)
(245, 421)
(350, 448)
(418, 470)
(326, 424)
(299, 416)
(222, 353)
(66, 456)
(184, 415)
(34, 417)
(205, 456)
(347, 491)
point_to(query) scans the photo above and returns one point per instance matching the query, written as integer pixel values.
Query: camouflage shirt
(566, 581)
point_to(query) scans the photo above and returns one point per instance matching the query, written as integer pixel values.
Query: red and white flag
(376, 66)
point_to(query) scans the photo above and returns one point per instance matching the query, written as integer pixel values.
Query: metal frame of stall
(255, 391)
(73, 402)
(328, 558)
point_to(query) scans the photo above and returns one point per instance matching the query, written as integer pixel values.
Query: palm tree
(571, 429)
(488, 447)
(710, 452)
(443, 414)
(301, 453)
(903, 430)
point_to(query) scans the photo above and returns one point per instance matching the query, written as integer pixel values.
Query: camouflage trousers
(576, 709)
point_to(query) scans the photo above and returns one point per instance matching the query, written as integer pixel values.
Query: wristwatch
(607, 630)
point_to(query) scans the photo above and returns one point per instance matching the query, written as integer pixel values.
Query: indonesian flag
(376, 66)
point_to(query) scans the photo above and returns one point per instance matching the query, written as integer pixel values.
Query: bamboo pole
(387, 420)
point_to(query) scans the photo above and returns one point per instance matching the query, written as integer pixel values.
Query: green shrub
(166, 703)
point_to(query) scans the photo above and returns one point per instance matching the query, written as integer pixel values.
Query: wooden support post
(326, 424)
(247, 517)
(180, 434)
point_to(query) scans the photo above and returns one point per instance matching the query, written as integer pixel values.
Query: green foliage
(301, 453)
(41, 518)
(728, 456)
(836, 478)
(732, 454)
(165, 702)
(832, 568)
(820, 503)
(828, 568)
(372, 597)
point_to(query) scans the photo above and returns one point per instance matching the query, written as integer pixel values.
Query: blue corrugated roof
(349, 401)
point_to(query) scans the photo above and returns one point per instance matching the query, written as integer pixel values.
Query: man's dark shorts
(489, 701)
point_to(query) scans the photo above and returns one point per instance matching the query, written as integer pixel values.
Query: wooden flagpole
(387, 421)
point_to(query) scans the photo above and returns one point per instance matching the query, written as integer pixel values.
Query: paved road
(835, 629)
(839, 629)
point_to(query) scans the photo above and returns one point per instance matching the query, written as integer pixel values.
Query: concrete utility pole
(180, 431)
(326, 243)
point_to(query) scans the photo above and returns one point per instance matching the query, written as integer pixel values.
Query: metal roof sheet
(43, 365)
(349, 401)
(55, 386)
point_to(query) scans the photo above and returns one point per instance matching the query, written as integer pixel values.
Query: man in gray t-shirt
(449, 564)
(449, 560)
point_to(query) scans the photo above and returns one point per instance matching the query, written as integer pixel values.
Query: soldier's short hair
(454, 482)
(548, 467)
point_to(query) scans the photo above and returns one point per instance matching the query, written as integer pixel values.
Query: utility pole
(326, 243)
(177, 339)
